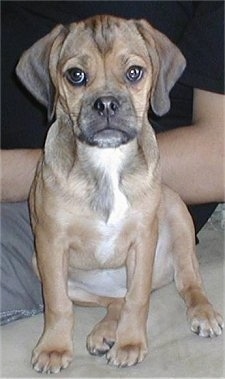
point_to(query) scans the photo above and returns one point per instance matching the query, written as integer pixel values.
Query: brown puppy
(100, 215)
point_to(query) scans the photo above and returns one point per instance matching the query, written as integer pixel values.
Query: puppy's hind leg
(204, 320)
(103, 336)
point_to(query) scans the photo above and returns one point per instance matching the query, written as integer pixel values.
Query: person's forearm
(192, 158)
(192, 161)
(17, 172)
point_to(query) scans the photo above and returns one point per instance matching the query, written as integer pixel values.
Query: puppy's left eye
(76, 76)
(134, 73)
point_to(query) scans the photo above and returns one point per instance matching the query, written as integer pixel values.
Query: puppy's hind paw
(102, 338)
(127, 355)
(205, 321)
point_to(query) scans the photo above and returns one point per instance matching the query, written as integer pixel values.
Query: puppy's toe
(51, 362)
(205, 321)
(127, 355)
(102, 338)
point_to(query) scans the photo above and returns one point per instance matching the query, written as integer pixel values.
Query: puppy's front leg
(54, 350)
(131, 337)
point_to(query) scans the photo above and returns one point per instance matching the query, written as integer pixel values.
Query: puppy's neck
(105, 167)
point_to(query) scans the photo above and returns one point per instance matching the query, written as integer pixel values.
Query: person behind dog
(190, 135)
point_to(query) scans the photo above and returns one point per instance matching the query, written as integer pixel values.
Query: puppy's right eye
(76, 76)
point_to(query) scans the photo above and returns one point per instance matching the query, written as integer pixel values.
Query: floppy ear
(33, 67)
(168, 65)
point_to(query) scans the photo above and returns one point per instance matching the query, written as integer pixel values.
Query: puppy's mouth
(106, 121)
(108, 137)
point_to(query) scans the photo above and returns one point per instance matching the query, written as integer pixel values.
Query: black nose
(106, 106)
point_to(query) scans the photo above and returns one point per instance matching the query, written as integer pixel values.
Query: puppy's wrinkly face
(104, 82)
(103, 73)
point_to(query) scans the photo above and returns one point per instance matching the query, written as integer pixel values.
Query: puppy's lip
(109, 137)
(107, 132)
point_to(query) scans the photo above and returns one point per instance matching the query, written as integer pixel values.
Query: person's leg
(21, 294)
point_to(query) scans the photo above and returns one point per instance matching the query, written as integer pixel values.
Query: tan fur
(106, 230)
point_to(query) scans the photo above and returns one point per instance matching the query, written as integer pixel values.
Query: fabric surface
(20, 288)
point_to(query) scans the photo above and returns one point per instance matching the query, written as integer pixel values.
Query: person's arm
(193, 158)
(17, 172)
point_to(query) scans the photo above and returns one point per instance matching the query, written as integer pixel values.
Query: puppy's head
(103, 72)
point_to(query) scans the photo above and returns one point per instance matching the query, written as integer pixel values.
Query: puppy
(106, 231)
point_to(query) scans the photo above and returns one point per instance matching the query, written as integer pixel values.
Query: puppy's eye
(134, 73)
(76, 76)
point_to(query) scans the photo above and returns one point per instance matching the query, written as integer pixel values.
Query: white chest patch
(109, 161)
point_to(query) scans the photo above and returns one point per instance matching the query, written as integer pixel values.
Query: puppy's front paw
(51, 360)
(205, 321)
(126, 355)
(102, 337)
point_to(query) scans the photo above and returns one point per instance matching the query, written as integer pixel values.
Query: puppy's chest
(112, 204)
(111, 231)
(108, 200)
(102, 217)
